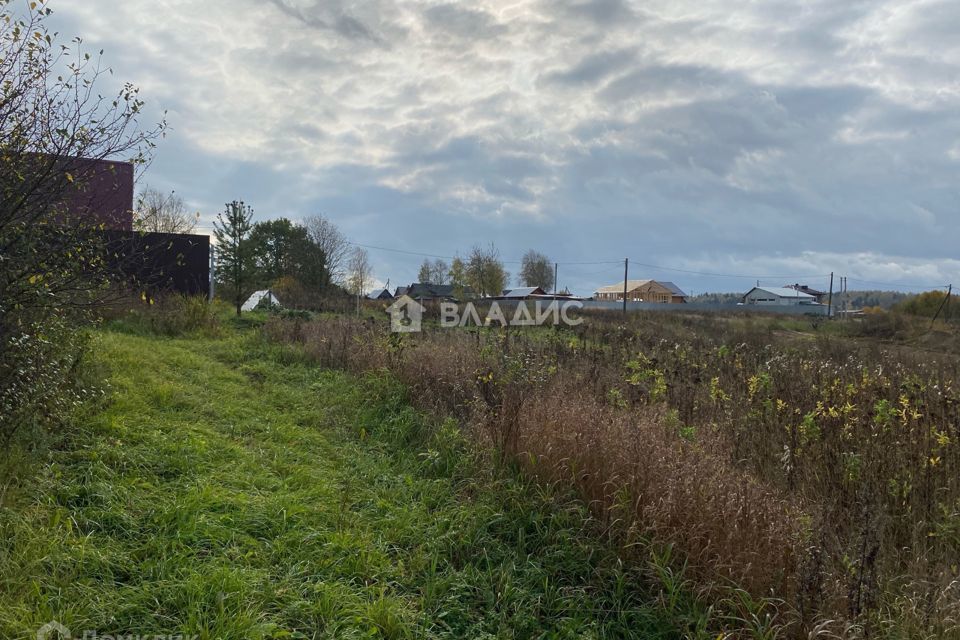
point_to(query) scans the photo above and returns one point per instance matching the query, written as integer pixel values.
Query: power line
(615, 264)
(731, 275)
(902, 286)
(412, 253)
(434, 255)
(615, 267)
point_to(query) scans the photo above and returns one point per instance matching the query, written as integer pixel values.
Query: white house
(777, 296)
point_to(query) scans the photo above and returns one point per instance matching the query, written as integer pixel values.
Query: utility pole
(626, 267)
(846, 298)
(213, 271)
(556, 283)
(830, 298)
(946, 300)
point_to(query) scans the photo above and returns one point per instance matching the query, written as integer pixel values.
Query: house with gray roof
(521, 293)
(777, 296)
(427, 291)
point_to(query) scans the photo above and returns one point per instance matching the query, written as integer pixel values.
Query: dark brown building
(103, 194)
(97, 196)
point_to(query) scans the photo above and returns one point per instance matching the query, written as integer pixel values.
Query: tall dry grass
(818, 471)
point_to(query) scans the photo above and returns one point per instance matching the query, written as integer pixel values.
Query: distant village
(633, 291)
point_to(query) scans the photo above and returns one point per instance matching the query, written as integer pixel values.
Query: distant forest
(854, 299)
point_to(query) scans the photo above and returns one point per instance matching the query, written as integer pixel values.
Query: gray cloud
(601, 12)
(592, 68)
(322, 16)
(773, 137)
(464, 23)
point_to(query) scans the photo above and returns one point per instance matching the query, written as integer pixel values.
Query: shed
(264, 297)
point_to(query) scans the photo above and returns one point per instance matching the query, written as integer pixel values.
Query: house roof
(401, 291)
(382, 294)
(674, 289)
(618, 288)
(523, 292)
(782, 292)
(806, 289)
(634, 284)
(430, 290)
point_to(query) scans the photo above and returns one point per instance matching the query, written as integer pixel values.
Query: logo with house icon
(406, 315)
(53, 631)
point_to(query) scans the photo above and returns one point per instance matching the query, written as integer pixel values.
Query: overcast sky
(767, 139)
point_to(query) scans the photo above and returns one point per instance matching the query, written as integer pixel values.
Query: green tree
(236, 271)
(457, 276)
(536, 270)
(485, 272)
(282, 249)
(425, 274)
(927, 304)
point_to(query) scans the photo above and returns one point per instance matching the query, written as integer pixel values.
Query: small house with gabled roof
(642, 291)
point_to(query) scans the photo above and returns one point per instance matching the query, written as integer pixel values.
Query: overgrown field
(820, 472)
(231, 489)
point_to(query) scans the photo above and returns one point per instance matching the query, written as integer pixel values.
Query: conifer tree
(236, 268)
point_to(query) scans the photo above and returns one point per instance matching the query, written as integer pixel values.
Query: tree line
(483, 273)
(302, 262)
(313, 259)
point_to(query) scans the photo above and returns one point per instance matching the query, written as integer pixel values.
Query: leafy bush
(41, 380)
(926, 305)
(172, 316)
(295, 314)
(883, 325)
(55, 121)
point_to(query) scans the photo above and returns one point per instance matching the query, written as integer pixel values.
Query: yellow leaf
(69, 177)
(143, 296)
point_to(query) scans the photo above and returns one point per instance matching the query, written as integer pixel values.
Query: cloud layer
(777, 138)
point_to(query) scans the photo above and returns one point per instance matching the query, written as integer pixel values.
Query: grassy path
(228, 491)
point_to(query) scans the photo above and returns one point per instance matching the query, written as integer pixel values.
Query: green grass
(229, 490)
